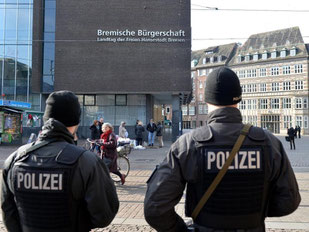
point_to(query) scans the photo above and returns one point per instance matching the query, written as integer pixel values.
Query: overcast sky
(217, 27)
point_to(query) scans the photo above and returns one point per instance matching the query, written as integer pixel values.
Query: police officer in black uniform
(53, 185)
(259, 182)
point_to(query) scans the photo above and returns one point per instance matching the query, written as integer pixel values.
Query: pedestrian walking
(159, 134)
(109, 152)
(123, 131)
(151, 128)
(298, 131)
(101, 122)
(258, 180)
(95, 134)
(291, 134)
(139, 130)
(53, 185)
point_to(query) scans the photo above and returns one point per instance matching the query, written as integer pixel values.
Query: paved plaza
(130, 216)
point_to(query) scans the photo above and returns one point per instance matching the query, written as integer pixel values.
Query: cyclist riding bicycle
(109, 150)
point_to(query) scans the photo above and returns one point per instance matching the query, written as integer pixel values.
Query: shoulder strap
(222, 172)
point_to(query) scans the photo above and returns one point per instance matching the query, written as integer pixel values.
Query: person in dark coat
(151, 128)
(95, 134)
(109, 152)
(291, 133)
(298, 131)
(101, 122)
(139, 129)
(159, 134)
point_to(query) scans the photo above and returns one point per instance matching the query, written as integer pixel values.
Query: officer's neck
(72, 129)
(215, 107)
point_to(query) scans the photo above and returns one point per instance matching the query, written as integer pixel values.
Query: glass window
(263, 103)
(283, 53)
(239, 58)
(1, 24)
(305, 103)
(255, 57)
(286, 103)
(10, 24)
(274, 103)
(23, 25)
(184, 110)
(293, 52)
(22, 71)
(262, 72)
(305, 121)
(286, 70)
(105, 100)
(247, 57)
(263, 87)
(242, 73)
(136, 100)
(9, 72)
(274, 71)
(298, 103)
(273, 54)
(121, 100)
(286, 85)
(287, 121)
(80, 99)
(265, 55)
(299, 121)
(191, 110)
(275, 86)
(299, 85)
(200, 97)
(298, 68)
(89, 100)
(50, 16)
(242, 104)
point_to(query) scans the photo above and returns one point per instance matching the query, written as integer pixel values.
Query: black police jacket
(57, 187)
(259, 183)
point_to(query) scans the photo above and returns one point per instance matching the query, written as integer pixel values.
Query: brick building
(273, 71)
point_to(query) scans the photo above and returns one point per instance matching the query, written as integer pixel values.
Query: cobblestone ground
(130, 216)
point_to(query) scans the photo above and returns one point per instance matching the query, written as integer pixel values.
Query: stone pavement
(130, 216)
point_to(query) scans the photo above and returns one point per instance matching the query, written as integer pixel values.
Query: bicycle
(123, 163)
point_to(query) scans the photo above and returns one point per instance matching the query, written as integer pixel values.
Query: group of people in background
(292, 134)
(153, 131)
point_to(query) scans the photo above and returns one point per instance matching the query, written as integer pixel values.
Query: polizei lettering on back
(39, 181)
(247, 159)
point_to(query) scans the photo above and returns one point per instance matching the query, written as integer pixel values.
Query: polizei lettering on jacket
(248, 159)
(39, 181)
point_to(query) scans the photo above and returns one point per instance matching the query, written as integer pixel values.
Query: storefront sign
(126, 35)
(15, 104)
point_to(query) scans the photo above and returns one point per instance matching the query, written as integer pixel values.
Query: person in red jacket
(109, 152)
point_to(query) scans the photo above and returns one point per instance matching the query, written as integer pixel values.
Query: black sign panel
(134, 46)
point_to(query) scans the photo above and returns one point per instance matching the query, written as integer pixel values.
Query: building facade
(273, 71)
(121, 58)
(16, 18)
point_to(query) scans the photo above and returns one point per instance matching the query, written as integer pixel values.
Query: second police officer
(259, 183)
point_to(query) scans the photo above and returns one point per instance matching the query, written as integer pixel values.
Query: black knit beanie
(64, 107)
(222, 87)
